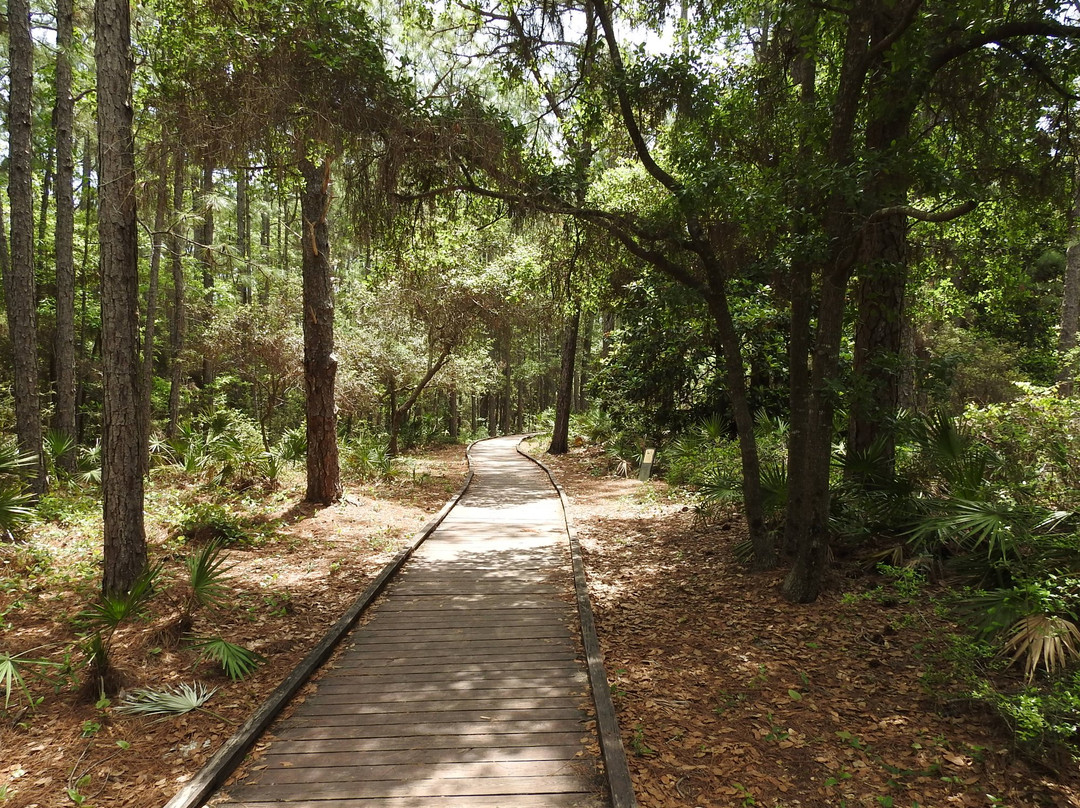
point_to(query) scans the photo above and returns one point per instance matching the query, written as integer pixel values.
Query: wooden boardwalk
(465, 687)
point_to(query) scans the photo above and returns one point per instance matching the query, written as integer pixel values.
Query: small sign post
(646, 465)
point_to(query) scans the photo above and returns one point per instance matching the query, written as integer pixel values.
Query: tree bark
(1070, 303)
(122, 484)
(206, 258)
(560, 433)
(454, 425)
(243, 235)
(178, 321)
(147, 376)
(320, 364)
(735, 376)
(19, 286)
(64, 346)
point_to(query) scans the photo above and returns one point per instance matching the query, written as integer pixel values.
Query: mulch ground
(727, 695)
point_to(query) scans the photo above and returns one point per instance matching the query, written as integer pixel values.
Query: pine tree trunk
(178, 321)
(86, 197)
(19, 286)
(320, 364)
(147, 375)
(122, 484)
(560, 433)
(64, 347)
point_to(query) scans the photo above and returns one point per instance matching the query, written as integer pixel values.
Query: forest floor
(726, 694)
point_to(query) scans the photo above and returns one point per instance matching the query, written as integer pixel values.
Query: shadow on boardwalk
(466, 686)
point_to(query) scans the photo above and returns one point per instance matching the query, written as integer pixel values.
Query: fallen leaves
(745, 699)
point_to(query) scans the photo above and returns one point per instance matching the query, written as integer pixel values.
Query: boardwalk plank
(577, 800)
(365, 772)
(350, 695)
(304, 716)
(386, 757)
(355, 705)
(453, 787)
(574, 735)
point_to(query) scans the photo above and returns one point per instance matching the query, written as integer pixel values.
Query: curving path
(465, 687)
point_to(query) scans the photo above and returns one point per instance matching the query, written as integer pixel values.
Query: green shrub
(204, 522)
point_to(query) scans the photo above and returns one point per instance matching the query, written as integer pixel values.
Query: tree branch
(999, 35)
(935, 216)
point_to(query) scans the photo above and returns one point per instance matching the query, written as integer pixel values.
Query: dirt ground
(726, 694)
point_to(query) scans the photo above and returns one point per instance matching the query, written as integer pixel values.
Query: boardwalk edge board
(214, 772)
(607, 724)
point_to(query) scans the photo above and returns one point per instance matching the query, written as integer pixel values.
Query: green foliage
(16, 509)
(236, 661)
(369, 458)
(206, 570)
(14, 669)
(210, 522)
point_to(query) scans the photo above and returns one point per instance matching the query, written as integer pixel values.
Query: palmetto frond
(169, 701)
(235, 660)
(1043, 639)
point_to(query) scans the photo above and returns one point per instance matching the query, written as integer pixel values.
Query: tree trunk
(582, 402)
(64, 347)
(86, 196)
(799, 402)
(147, 378)
(19, 284)
(320, 364)
(879, 331)
(560, 433)
(882, 272)
(804, 580)
(1070, 303)
(178, 322)
(122, 484)
(243, 235)
(455, 416)
(507, 384)
(735, 376)
(206, 258)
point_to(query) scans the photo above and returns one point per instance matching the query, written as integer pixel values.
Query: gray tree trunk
(122, 484)
(19, 280)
